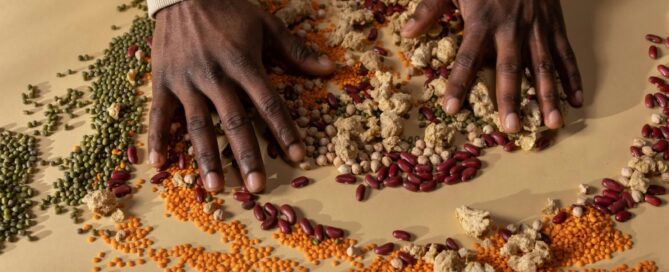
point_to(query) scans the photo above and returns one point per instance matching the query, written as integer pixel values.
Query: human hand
(523, 33)
(212, 51)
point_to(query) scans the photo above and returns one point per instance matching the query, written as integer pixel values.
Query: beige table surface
(39, 38)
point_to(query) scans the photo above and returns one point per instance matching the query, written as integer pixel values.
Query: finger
(251, 77)
(544, 75)
(508, 77)
(464, 70)
(203, 137)
(565, 61)
(239, 131)
(162, 109)
(292, 50)
(427, 13)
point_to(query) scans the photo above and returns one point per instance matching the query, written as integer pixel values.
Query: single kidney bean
(656, 81)
(655, 189)
(611, 194)
(381, 173)
(601, 208)
(242, 196)
(499, 137)
(636, 151)
(318, 233)
(427, 113)
(475, 151)
(623, 216)
(333, 232)
(393, 170)
(380, 50)
(270, 209)
(542, 143)
(428, 186)
(629, 201)
(120, 175)
(473, 162)
(603, 200)
(402, 235)
(269, 223)
(612, 184)
(439, 177)
(131, 152)
(659, 146)
(372, 182)
(288, 212)
(393, 155)
(360, 192)
(446, 165)
(450, 180)
(456, 170)
(653, 38)
(451, 244)
(158, 178)
(649, 101)
(412, 178)
(332, 100)
(646, 130)
(405, 166)
(652, 52)
(272, 150)
(505, 233)
(652, 200)
(373, 33)
(182, 161)
(299, 182)
(259, 212)
(285, 227)
(560, 217)
(664, 70)
(665, 155)
(461, 155)
(407, 258)
(132, 49)
(665, 132)
(468, 173)
(489, 140)
(249, 204)
(113, 183)
(410, 186)
(306, 226)
(509, 147)
(617, 206)
(384, 249)
(393, 182)
(122, 190)
(345, 178)
(656, 133)
(663, 88)
(199, 194)
(408, 157)
(661, 99)
(424, 168)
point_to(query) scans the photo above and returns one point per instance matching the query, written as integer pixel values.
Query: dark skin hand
(211, 52)
(525, 33)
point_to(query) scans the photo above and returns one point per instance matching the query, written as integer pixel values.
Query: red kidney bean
(122, 190)
(665, 155)
(405, 166)
(542, 143)
(428, 186)
(656, 81)
(410, 186)
(132, 49)
(269, 223)
(653, 38)
(656, 133)
(623, 216)
(272, 150)
(373, 34)
(646, 130)
(456, 170)
(603, 200)
(408, 157)
(659, 146)
(299, 182)
(560, 217)
(372, 182)
(270, 209)
(617, 206)
(424, 168)
(664, 70)
(612, 184)
(468, 173)
(182, 161)
(451, 244)
(113, 183)
(393, 182)
(656, 190)
(346, 179)
(306, 226)
(509, 147)
(446, 165)
(259, 212)
(285, 227)
(629, 201)
(393, 155)
(131, 152)
(636, 151)
(665, 132)
(350, 89)
(652, 200)
(472, 149)
(473, 162)
(319, 233)
(411, 178)
(601, 208)
(439, 177)
(384, 249)
(200, 194)
(427, 113)
(489, 140)
(461, 155)
(158, 178)
(611, 194)
(407, 258)
(242, 196)
(652, 52)
(380, 50)
(663, 88)
(505, 233)
(450, 180)
(247, 205)
(424, 175)
(360, 192)
(402, 235)
(332, 100)
(381, 173)
(499, 137)
(333, 232)
(288, 212)
(649, 101)
(661, 99)
(393, 170)
(120, 175)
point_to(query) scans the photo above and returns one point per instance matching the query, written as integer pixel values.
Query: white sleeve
(156, 5)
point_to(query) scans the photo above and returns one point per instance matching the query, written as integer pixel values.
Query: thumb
(291, 49)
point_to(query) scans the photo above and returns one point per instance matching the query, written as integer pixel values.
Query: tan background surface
(39, 38)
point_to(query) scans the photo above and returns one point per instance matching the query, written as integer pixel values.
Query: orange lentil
(91, 239)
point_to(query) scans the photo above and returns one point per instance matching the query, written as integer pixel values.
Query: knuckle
(507, 98)
(568, 55)
(197, 123)
(233, 121)
(207, 159)
(210, 72)
(242, 63)
(544, 67)
(248, 159)
(157, 139)
(271, 105)
(548, 97)
(509, 68)
(429, 6)
(465, 61)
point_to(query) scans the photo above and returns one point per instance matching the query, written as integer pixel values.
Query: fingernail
(554, 119)
(511, 122)
(452, 105)
(154, 159)
(325, 60)
(255, 182)
(213, 182)
(409, 27)
(296, 152)
(578, 97)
